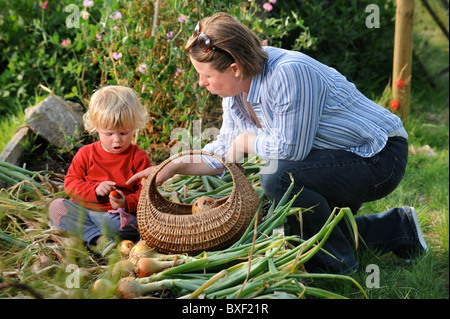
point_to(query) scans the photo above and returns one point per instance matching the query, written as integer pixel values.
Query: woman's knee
(274, 185)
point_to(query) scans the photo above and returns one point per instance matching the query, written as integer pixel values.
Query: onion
(141, 250)
(103, 288)
(45, 261)
(138, 251)
(148, 266)
(203, 204)
(122, 268)
(124, 247)
(42, 263)
(129, 288)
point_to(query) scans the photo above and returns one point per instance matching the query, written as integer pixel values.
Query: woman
(306, 119)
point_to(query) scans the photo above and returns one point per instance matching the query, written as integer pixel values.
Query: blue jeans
(336, 178)
(88, 224)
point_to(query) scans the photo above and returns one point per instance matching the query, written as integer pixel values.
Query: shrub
(78, 47)
(362, 54)
(74, 48)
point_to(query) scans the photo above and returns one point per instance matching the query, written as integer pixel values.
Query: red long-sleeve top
(92, 165)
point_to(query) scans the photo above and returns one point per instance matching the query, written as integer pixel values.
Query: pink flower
(116, 15)
(84, 14)
(182, 18)
(169, 35)
(143, 68)
(43, 5)
(88, 3)
(178, 72)
(115, 28)
(64, 43)
(267, 6)
(273, 1)
(98, 36)
(117, 56)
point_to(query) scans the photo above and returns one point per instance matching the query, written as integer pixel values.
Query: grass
(426, 182)
(9, 126)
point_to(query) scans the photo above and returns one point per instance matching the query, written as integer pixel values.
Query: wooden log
(401, 74)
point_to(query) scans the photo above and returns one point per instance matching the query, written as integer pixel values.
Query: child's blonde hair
(113, 107)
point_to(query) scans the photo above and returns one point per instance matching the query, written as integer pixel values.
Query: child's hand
(117, 199)
(104, 188)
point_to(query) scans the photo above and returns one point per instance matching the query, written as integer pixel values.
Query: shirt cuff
(213, 162)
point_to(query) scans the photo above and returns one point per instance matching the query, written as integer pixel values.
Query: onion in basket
(203, 204)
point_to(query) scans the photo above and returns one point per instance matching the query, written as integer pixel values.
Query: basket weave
(171, 227)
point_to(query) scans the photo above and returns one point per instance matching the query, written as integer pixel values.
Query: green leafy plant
(81, 46)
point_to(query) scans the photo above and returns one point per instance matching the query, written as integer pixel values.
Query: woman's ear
(235, 68)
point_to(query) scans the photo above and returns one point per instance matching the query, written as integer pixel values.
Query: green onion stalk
(14, 175)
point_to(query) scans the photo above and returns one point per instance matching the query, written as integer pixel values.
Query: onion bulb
(103, 288)
(141, 250)
(122, 268)
(203, 204)
(129, 288)
(124, 247)
(148, 266)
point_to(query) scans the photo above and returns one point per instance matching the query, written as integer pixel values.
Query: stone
(55, 119)
(13, 150)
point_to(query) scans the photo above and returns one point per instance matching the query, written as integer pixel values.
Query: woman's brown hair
(235, 43)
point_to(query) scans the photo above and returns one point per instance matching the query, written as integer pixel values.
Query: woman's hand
(142, 174)
(164, 174)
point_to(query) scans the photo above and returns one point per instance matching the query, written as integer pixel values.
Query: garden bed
(39, 260)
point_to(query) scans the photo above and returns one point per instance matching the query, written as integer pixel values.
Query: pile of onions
(137, 260)
(148, 261)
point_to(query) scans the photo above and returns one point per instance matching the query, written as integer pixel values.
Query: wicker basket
(171, 227)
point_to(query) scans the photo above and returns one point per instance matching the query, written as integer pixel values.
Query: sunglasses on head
(203, 41)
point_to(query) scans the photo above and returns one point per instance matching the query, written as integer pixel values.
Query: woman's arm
(184, 165)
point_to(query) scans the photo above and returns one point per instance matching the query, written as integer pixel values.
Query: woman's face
(223, 84)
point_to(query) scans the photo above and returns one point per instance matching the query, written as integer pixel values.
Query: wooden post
(401, 75)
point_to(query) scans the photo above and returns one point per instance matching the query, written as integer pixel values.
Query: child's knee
(57, 210)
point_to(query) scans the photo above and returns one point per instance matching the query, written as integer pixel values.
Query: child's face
(115, 140)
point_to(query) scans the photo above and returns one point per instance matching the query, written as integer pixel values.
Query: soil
(45, 157)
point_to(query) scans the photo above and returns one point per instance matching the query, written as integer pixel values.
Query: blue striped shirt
(303, 104)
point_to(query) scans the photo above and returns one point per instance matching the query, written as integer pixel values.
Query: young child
(97, 169)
